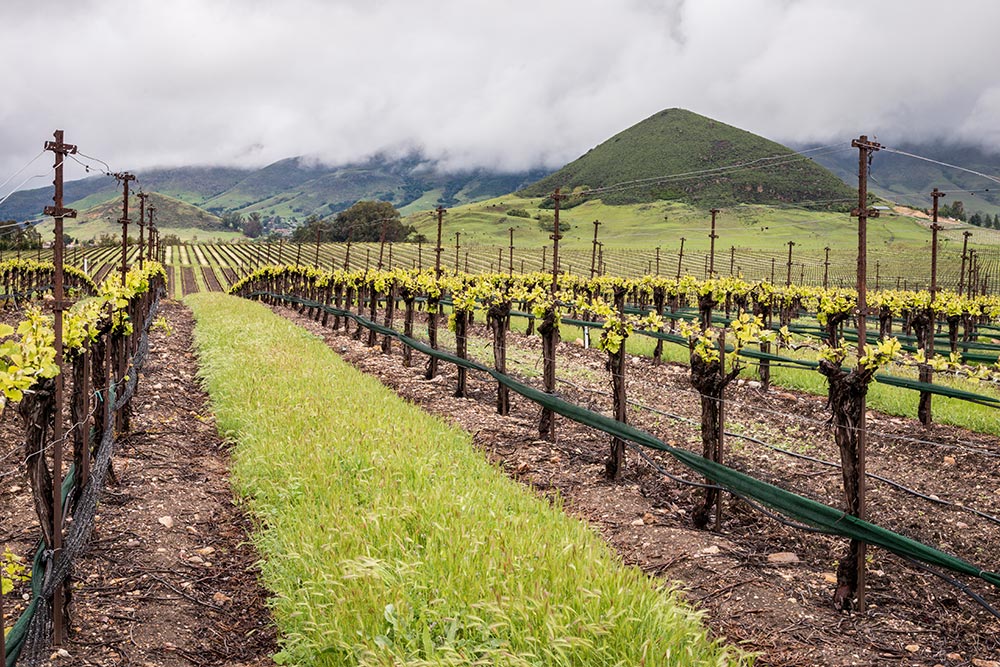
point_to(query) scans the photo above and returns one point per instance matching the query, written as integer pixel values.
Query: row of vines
(720, 321)
(103, 345)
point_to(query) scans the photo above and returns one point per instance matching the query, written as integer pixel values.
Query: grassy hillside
(678, 142)
(293, 189)
(663, 223)
(173, 216)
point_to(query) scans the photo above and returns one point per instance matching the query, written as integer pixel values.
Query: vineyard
(366, 301)
(206, 267)
(685, 425)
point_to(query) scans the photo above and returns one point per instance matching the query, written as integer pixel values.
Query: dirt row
(169, 578)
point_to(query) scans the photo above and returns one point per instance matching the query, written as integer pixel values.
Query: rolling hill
(172, 216)
(291, 189)
(682, 156)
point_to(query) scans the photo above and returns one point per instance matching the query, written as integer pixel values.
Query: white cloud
(509, 85)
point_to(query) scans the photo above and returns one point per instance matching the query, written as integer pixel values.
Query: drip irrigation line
(960, 585)
(760, 508)
(680, 480)
(830, 464)
(963, 446)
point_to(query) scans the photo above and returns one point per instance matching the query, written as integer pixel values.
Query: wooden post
(510, 258)
(60, 150)
(720, 458)
(826, 267)
(680, 259)
(865, 149)
(549, 330)
(711, 252)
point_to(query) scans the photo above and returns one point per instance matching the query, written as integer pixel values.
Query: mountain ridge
(292, 189)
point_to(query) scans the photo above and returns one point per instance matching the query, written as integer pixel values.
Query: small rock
(954, 656)
(830, 577)
(949, 460)
(221, 598)
(912, 648)
(985, 663)
(782, 558)
(648, 518)
(15, 489)
(714, 549)
(196, 559)
(638, 522)
(754, 384)
(132, 544)
(635, 361)
(192, 530)
(961, 524)
(205, 551)
(166, 521)
(61, 653)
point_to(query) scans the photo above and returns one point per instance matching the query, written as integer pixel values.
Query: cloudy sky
(507, 84)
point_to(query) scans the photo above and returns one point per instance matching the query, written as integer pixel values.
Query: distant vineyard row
(216, 267)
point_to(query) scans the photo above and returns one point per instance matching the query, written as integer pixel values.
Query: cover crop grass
(388, 540)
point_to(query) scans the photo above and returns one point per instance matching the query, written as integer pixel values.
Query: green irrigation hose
(15, 638)
(821, 517)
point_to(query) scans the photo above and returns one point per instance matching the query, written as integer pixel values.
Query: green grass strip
(389, 540)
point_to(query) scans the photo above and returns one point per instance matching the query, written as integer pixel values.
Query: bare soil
(169, 578)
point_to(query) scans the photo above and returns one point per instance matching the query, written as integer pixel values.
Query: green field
(389, 540)
(898, 245)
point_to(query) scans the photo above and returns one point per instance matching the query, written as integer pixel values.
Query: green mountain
(287, 191)
(681, 156)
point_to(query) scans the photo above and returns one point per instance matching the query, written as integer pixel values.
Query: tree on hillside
(20, 237)
(364, 221)
(253, 226)
(956, 210)
(232, 220)
(306, 232)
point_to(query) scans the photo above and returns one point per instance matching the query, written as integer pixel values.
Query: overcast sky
(505, 84)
